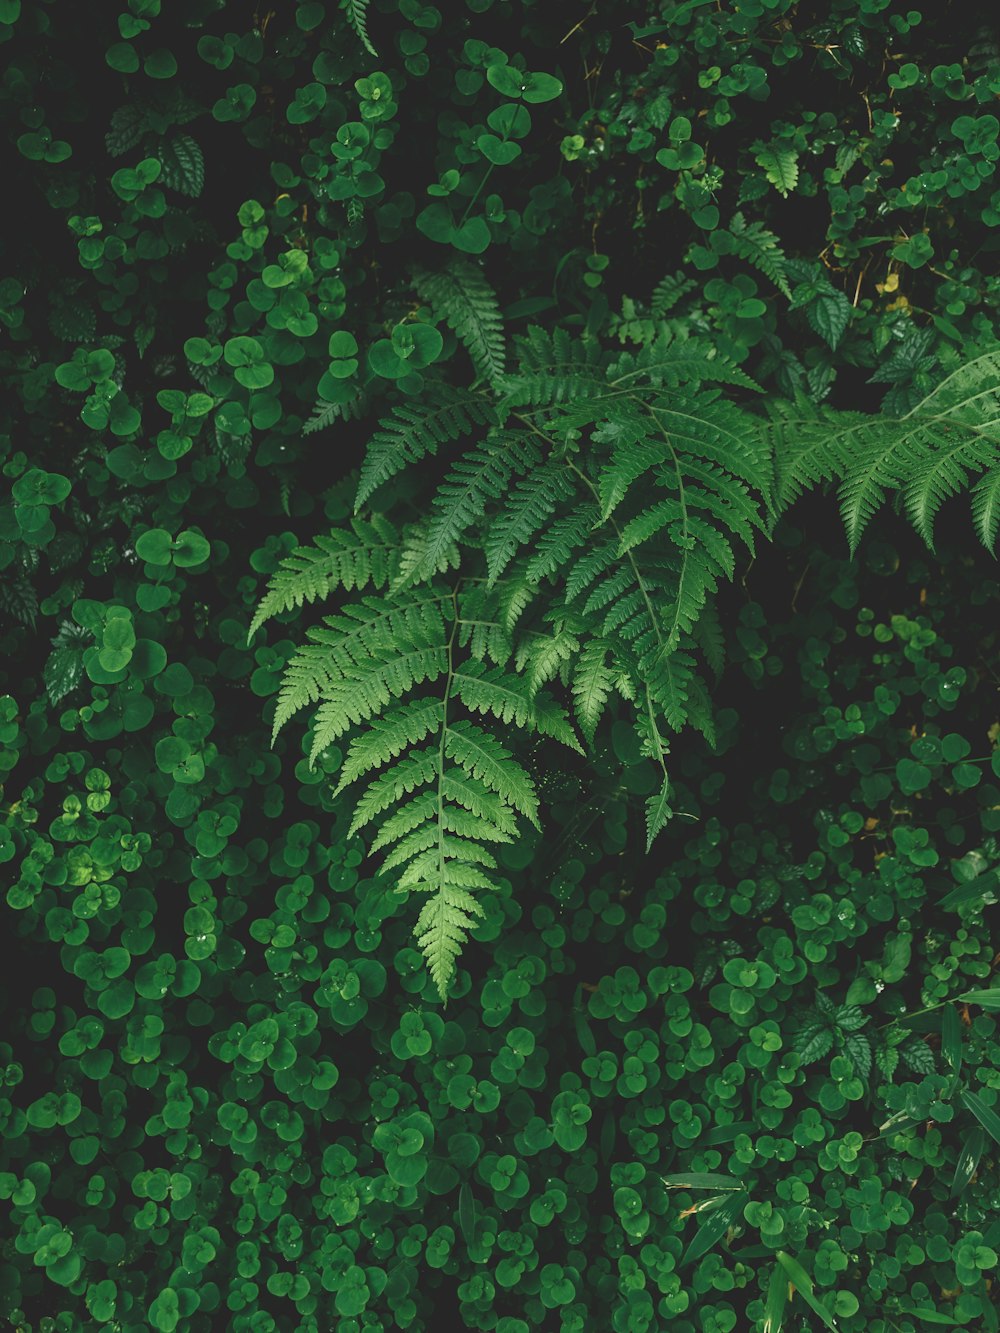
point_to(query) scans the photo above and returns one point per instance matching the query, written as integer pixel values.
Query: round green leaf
(497, 151)
(190, 548)
(154, 547)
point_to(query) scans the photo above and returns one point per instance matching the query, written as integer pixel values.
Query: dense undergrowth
(492, 387)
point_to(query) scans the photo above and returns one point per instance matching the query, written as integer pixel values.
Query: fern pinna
(945, 443)
(565, 556)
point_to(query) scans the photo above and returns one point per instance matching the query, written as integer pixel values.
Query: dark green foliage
(407, 436)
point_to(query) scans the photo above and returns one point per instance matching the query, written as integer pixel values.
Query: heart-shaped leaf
(497, 151)
(472, 238)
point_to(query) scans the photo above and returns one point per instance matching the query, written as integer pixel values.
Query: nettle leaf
(829, 313)
(128, 124)
(64, 669)
(183, 165)
(813, 1042)
(850, 1018)
(887, 1060)
(918, 1056)
(859, 1049)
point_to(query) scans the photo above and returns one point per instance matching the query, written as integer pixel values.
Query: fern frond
(942, 473)
(432, 843)
(692, 427)
(417, 562)
(602, 556)
(354, 699)
(986, 508)
(413, 814)
(507, 697)
(531, 503)
(554, 368)
(668, 291)
(461, 296)
(670, 679)
(806, 445)
(483, 757)
(418, 769)
(460, 790)
(928, 454)
(342, 559)
(482, 626)
(357, 16)
(513, 598)
(877, 461)
(358, 637)
(754, 244)
(707, 634)
(670, 361)
(658, 812)
(387, 737)
(482, 476)
(324, 414)
(593, 681)
(431, 869)
(543, 657)
(970, 394)
(565, 535)
(412, 431)
(443, 926)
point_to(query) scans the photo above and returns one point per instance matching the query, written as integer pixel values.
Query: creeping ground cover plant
(499, 768)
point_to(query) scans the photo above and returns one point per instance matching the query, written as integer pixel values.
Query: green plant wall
(481, 847)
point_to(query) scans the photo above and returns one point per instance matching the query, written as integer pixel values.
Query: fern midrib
(963, 369)
(449, 678)
(674, 635)
(640, 581)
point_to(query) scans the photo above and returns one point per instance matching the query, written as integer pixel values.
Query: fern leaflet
(414, 431)
(481, 476)
(342, 559)
(357, 16)
(986, 508)
(755, 244)
(324, 414)
(461, 296)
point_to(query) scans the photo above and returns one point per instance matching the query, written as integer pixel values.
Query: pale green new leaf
(780, 164)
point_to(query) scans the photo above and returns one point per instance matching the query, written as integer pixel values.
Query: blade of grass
(712, 1230)
(803, 1284)
(965, 1167)
(986, 1116)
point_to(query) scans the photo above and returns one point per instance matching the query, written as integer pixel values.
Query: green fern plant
(563, 565)
(441, 790)
(564, 558)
